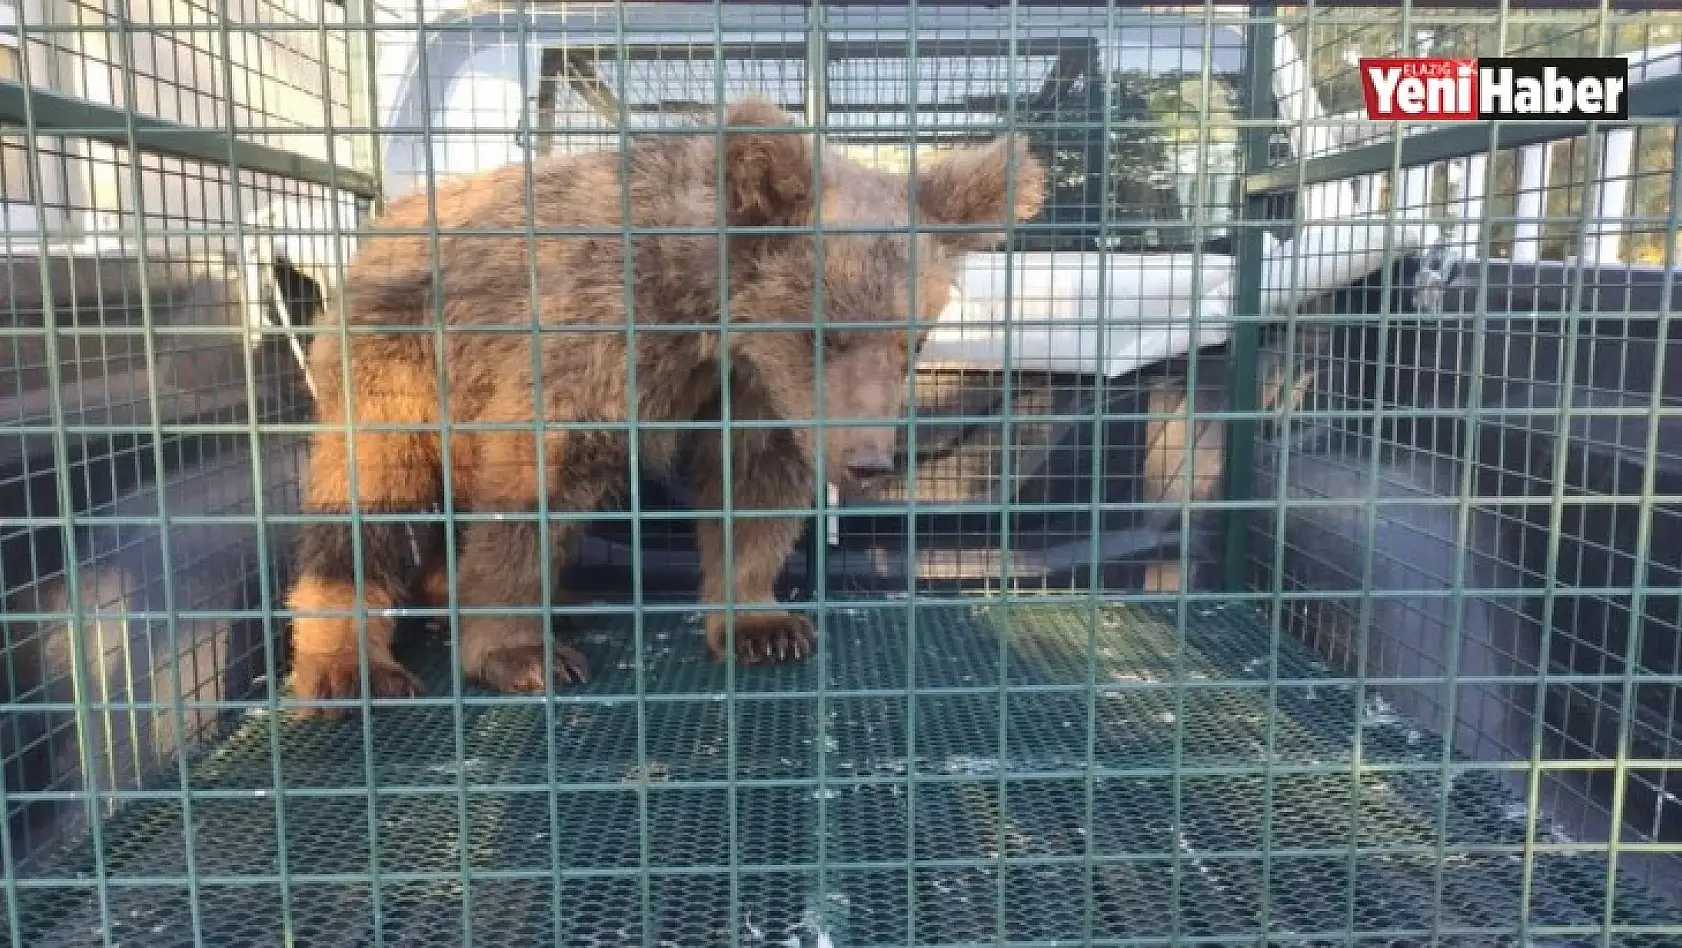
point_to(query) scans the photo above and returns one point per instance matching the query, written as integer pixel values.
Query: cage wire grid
(1228, 614)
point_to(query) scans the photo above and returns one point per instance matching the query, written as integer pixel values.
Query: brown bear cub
(468, 392)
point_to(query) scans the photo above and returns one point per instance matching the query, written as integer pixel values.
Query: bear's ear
(768, 175)
(991, 185)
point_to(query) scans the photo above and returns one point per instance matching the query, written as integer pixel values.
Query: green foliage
(1162, 126)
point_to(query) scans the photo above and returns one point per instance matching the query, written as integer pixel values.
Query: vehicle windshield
(1170, 144)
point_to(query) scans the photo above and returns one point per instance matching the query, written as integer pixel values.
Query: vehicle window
(1173, 162)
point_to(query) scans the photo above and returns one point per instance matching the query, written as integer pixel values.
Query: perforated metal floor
(826, 817)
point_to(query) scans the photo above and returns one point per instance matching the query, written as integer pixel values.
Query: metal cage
(1281, 549)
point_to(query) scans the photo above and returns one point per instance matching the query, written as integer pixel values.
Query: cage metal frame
(1655, 101)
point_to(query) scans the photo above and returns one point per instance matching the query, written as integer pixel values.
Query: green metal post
(1241, 377)
(817, 117)
(363, 56)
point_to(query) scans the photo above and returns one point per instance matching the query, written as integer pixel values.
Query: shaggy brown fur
(486, 285)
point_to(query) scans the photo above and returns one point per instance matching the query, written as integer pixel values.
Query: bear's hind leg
(394, 473)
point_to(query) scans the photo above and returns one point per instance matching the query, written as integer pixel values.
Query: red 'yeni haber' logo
(1440, 90)
(1467, 90)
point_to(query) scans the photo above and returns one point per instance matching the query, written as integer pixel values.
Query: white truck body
(1110, 314)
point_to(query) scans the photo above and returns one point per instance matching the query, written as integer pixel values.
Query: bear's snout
(870, 460)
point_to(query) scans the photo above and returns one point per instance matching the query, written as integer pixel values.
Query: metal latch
(832, 523)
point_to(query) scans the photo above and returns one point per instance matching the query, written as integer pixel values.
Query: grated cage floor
(984, 780)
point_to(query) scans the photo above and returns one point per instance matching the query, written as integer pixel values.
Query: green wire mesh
(1316, 633)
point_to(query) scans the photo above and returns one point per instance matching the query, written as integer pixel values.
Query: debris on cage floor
(831, 804)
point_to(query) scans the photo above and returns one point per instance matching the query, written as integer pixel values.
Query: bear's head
(860, 249)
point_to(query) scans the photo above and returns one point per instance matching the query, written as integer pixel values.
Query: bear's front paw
(335, 676)
(765, 637)
(519, 669)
